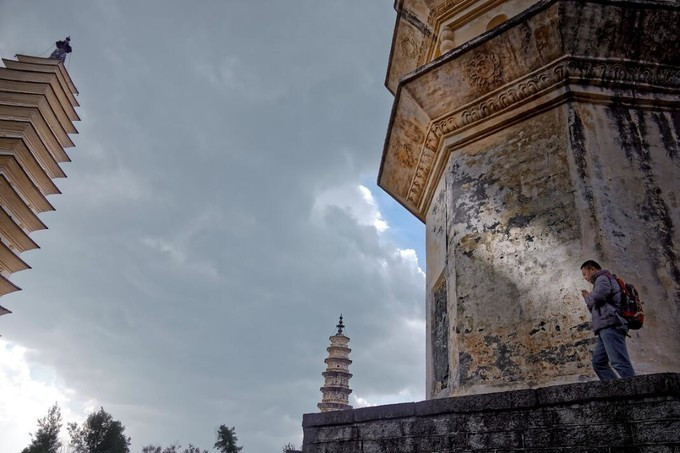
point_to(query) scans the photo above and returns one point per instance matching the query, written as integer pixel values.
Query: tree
(289, 447)
(192, 449)
(226, 440)
(152, 449)
(176, 448)
(100, 433)
(46, 438)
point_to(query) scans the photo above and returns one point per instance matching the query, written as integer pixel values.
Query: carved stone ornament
(408, 45)
(484, 69)
(595, 71)
(405, 156)
(440, 9)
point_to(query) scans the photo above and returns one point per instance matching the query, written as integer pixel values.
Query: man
(609, 327)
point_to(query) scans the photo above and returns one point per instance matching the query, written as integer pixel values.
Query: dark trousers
(610, 349)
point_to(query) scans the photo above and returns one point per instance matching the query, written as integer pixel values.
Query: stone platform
(640, 414)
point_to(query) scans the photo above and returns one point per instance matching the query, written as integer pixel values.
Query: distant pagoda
(37, 111)
(336, 386)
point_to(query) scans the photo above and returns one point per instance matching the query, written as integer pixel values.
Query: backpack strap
(611, 300)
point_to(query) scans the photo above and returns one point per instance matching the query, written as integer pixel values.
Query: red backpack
(631, 305)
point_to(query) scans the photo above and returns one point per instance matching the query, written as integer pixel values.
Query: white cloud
(28, 390)
(354, 198)
(411, 258)
(190, 240)
(376, 399)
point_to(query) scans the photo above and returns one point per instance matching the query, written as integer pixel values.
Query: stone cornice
(569, 70)
(496, 90)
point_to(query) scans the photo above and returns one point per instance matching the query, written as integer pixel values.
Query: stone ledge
(656, 385)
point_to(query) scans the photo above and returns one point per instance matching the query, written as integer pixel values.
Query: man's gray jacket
(604, 301)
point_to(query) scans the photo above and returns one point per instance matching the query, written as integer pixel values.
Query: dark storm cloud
(190, 276)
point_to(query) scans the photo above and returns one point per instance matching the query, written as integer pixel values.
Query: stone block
(328, 418)
(498, 439)
(384, 412)
(489, 401)
(655, 384)
(632, 415)
(434, 426)
(657, 432)
(601, 435)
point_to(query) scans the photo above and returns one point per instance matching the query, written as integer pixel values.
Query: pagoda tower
(37, 111)
(336, 389)
(530, 136)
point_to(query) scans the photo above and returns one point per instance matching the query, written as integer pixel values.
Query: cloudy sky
(219, 214)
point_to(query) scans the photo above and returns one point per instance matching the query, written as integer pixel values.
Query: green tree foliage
(100, 433)
(176, 448)
(46, 438)
(192, 449)
(226, 440)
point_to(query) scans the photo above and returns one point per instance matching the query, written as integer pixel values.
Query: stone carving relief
(593, 71)
(441, 9)
(484, 69)
(405, 156)
(408, 45)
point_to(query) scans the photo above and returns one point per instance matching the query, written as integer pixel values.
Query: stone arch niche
(496, 21)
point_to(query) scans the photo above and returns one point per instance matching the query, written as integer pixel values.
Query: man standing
(610, 328)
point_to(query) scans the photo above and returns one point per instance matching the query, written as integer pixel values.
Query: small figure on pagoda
(63, 48)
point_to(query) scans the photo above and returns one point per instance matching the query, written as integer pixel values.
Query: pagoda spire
(63, 48)
(335, 391)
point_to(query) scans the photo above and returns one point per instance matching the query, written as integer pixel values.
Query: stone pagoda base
(640, 414)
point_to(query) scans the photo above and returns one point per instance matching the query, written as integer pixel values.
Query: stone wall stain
(440, 336)
(669, 142)
(633, 138)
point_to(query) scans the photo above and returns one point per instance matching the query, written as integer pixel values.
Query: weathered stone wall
(503, 231)
(640, 414)
(627, 175)
(512, 219)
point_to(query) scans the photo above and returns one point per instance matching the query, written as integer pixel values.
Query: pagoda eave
(47, 69)
(7, 287)
(40, 78)
(446, 104)
(50, 62)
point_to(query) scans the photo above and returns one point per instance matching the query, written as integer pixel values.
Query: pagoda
(37, 111)
(529, 136)
(336, 389)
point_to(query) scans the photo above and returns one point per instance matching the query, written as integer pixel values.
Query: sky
(219, 214)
